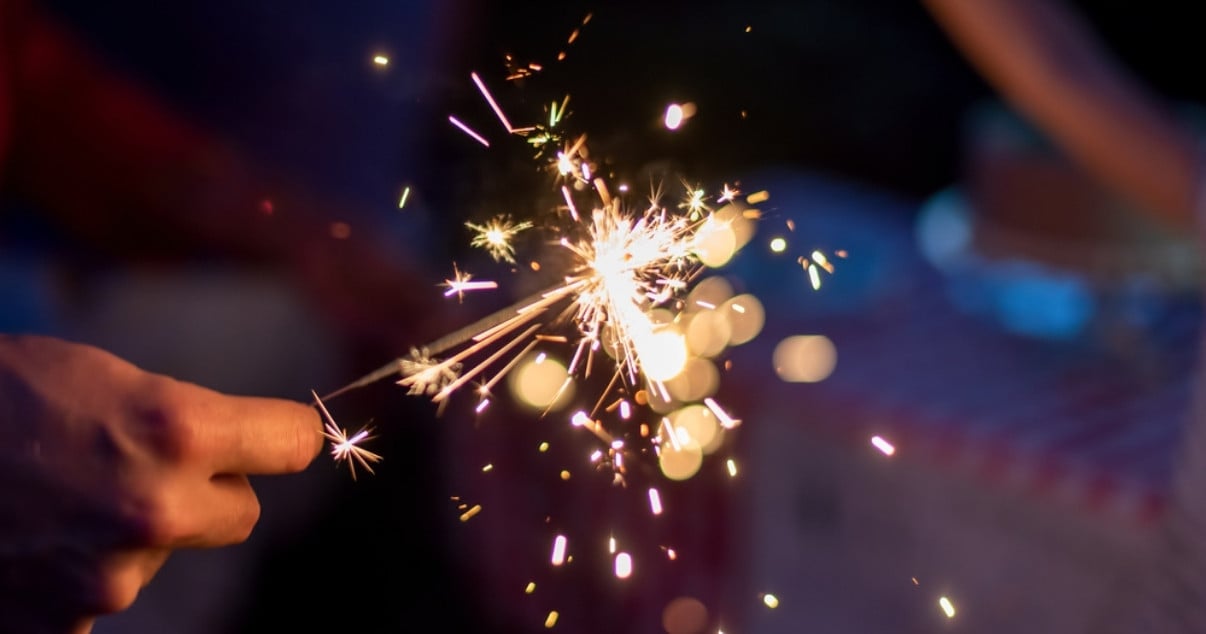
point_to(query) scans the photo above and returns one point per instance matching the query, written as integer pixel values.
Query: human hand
(105, 469)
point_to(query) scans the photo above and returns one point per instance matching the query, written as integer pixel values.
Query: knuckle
(247, 520)
(116, 588)
(164, 428)
(154, 522)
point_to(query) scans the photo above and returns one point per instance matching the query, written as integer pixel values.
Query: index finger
(249, 434)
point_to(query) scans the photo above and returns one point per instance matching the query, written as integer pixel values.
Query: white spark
(346, 448)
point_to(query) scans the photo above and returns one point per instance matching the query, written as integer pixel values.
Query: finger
(224, 511)
(241, 434)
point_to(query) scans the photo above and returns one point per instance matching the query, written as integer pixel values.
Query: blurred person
(1052, 68)
(106, 468)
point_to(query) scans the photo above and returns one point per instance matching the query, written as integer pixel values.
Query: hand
(105, 469)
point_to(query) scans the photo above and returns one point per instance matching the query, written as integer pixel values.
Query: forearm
(111, 163)
(1048, 64)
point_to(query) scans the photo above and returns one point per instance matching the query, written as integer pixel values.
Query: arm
(1048, 64)
(121, 171)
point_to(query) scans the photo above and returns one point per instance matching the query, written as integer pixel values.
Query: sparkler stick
(445, 343)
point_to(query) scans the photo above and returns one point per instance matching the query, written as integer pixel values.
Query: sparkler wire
(446, 342)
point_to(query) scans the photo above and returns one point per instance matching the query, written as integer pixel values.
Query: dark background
(863, 90)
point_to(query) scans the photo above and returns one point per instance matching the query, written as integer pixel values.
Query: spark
(550, 620)
(822, 261)
(623, 565)
(405, 195)
(778, 245)
(758, 197)
(496, 235)
(468, 515)
(883, 445)
(674, 116)
(655, 501)
(559, 545)
(467, 130)
(770, 600)
(813, 277)
(490, 100)
(461, 282)
(948, 608)
(694, 203)
(726, 421)
(727, 194)
(346, 448)
(381, 60)
(530, 588)
(426, 375)
(732, 466)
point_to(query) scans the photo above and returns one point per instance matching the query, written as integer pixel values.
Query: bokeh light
(709, 293)
(538, 380)
(699, 426)
(805, 358)
(715, 242)
(746, 317)
(698, 380)
(708, 333)
(679, 460)
(684, 615)
(663, 354)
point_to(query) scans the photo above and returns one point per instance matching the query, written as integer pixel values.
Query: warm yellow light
(746, 317)
(778, 245)
(559, 545)
(623, 565)
(674, 116)
(663, 354)
(684, 615)
(541, 382)
(680, 461)
(708, 332)
(805, 358)
(948, 608)
(715, 242)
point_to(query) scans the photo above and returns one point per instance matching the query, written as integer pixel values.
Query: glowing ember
(948, 608)
(467, 515)
(883, 445)
(559, 545)
(623, 565)
(770, 600)
(550, 620)
(381, 60)
(674, 116)
(467, 130)
(655, 502)
(346, 448)
(495, 237)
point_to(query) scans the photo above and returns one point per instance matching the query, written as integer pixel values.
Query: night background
(856, 116)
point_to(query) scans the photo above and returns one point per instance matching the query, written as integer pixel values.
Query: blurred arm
(116, 166)
(1047, 63)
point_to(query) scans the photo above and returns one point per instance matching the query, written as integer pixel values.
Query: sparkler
(345, 448)
(618, 306)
